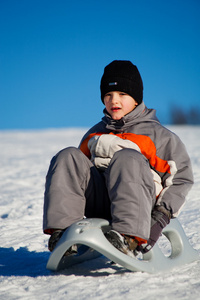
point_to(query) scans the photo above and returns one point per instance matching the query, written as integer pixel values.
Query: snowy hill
(25, 157)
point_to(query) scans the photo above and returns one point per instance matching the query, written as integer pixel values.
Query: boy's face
(118, 104)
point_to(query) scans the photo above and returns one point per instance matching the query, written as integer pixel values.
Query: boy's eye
(107, 96)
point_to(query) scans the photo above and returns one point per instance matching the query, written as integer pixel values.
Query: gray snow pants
(123, 194)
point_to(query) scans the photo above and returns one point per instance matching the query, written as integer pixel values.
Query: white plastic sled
(88, 234)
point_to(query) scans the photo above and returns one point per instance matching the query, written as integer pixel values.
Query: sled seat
(88, 234)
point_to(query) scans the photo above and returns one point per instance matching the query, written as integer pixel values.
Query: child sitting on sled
(128, 169)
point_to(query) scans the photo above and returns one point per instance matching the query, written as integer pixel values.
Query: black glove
(160, 217)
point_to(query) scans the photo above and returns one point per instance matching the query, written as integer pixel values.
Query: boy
(128, 169)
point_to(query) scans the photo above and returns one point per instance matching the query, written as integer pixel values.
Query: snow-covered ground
(25, 157)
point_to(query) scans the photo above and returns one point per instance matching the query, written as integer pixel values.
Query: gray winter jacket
(142, 131)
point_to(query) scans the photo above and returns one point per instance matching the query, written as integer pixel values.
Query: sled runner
(88, 234)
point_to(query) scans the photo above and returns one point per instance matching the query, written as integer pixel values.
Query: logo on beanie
(112, 83)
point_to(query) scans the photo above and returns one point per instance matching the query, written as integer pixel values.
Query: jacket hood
(140, 114)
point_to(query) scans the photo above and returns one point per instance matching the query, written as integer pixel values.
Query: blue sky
(52, 56)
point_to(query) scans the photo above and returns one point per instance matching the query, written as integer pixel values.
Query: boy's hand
(160, 217)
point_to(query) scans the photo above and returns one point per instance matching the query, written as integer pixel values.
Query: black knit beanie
(123, 76)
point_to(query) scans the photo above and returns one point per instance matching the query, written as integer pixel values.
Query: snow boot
(53, 240)
(124, 243)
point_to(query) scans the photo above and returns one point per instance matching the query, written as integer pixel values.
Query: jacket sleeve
(177, 182)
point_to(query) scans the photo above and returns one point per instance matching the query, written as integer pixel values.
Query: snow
(25, 157)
